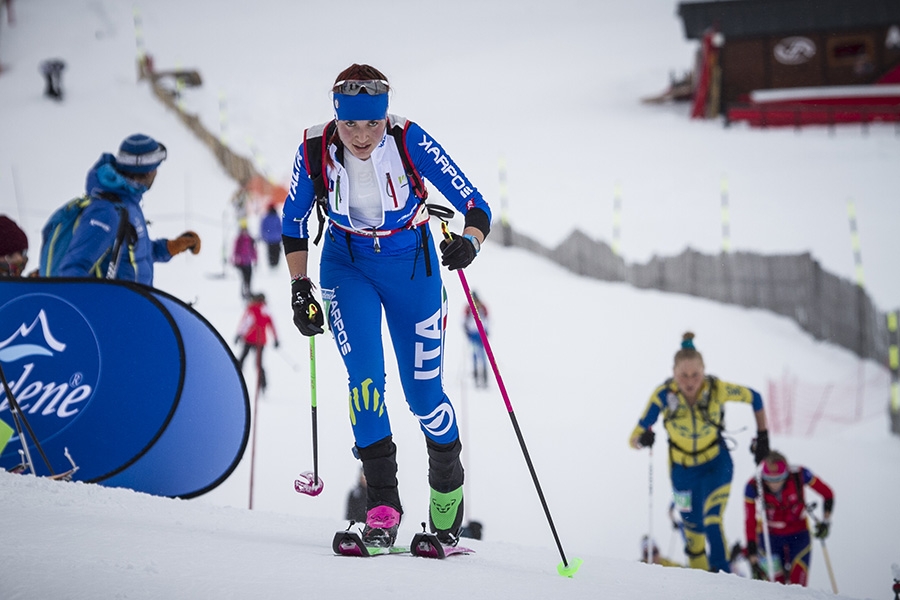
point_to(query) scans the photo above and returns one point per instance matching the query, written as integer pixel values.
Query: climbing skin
(372, 398)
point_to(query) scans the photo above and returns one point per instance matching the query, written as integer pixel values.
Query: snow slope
(578, 357)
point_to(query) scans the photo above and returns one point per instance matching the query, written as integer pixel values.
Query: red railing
(797, 115)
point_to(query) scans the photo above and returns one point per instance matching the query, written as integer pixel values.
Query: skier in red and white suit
(786, 516)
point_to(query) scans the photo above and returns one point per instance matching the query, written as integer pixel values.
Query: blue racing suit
(365, 270)
(88, 254)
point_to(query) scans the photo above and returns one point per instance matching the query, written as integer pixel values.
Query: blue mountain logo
(17, 345)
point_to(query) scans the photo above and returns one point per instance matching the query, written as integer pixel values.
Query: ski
(427, 545)
(349, 543)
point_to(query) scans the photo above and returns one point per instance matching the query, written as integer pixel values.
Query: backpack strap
(398, 131)
(798, 481)
(122, 233)
(315, 155)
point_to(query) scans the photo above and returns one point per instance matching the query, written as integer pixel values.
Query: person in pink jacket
(244, 257)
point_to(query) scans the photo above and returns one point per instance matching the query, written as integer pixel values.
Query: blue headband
(361, 107)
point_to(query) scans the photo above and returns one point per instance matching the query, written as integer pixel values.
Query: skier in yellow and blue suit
(692, 405)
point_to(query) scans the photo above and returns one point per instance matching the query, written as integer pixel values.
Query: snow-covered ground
(552, 89)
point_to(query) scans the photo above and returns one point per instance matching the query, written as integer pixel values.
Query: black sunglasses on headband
(352, 87)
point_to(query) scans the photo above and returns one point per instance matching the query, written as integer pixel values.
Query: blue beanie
(139, 153)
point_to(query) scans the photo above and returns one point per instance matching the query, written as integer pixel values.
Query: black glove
(759, 447)
(822, 530)
(276, 343)
(458, 252)
(301, 300)
(647, 438)
(752, 550)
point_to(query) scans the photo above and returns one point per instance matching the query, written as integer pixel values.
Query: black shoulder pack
(315, 154)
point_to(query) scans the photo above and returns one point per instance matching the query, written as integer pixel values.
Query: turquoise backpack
(57, 233)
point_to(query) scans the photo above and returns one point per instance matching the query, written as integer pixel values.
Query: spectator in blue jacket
(116, 186)
(270, 232)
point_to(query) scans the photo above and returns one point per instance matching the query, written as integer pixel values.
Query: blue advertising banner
(136, 385)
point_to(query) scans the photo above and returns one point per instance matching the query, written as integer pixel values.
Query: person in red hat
(13, 248)
(786, 517)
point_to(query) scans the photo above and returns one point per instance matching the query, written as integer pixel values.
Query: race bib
(682, 501)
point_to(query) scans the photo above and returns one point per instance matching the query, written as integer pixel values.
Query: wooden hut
(780, 62)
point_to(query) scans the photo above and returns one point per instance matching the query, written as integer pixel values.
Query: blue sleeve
(94, 236)
(435, 165)
(299, 202)
(750, 492)
(160, 251)
(757, 400)
(806, 475)
(651, 413)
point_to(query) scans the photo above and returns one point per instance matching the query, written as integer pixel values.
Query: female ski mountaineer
(364, 169)
(786, 517)
(692, 405)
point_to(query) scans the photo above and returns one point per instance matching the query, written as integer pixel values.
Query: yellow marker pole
(854, 241)
(504, 201)
(139, 41)
(617, 219)
(894, 360)
(179, 87)
(259, 158)
(726, 219)
(223, 119)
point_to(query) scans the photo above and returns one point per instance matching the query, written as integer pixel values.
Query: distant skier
(270, 233)
(479, 356)
(244, 257)
(786, 516)
(252, 332)
(356, 500)
(692, 406)
(52, 71)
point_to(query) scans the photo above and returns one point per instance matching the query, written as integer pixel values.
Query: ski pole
(895, 570)
(650, 510)
(309, 483)
(810, 508)
(564, 568)
(287, 360)
(19, 420)
(115, 255)
(253, 445)
(761, 508)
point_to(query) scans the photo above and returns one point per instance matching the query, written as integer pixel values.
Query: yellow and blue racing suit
(700, 465)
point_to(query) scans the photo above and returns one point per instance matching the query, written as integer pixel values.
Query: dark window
(849, 50)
